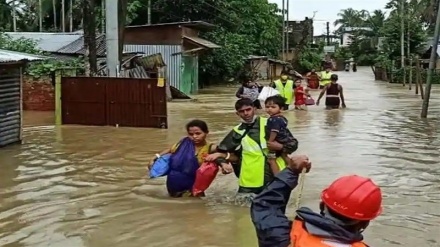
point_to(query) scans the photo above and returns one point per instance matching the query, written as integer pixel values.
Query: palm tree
(349, 18)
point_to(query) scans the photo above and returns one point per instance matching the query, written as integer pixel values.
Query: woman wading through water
(334, 94)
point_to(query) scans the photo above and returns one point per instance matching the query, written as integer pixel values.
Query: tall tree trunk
(54, 8)
(92, 38)
(14, 15)
(71, 15)
(86, 35)
(40, 15)
(63, 19)
(122, 17)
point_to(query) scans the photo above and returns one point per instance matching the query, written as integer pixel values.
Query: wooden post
(58, 111)
(21, 104)
(410, 73)
(432, 65)
(392, 71)
(417, 68)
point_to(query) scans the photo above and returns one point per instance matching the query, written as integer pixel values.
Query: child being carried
(276, 130)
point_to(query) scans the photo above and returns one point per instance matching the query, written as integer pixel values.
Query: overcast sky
(327, 10)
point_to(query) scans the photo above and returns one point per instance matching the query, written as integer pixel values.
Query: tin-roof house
(11, 95)
(179, 43)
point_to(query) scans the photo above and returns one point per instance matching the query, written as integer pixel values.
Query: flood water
(78, 186)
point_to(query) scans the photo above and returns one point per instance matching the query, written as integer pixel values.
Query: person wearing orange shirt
(346, 209)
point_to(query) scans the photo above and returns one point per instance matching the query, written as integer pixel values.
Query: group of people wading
(252, 148)
(295, 93)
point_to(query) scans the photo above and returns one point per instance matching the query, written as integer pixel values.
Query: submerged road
(83, 186)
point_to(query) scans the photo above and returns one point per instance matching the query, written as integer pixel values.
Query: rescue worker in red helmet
(347, 207)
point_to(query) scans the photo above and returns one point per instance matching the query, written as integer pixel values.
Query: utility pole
(284, 31)
(328, 33)
(40, 15)
(288, 30)
(149, 12)
(112, 37)
(63, 19)
(402, 39)
(432, 64)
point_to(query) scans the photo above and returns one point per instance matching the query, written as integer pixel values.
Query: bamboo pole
(432, 65)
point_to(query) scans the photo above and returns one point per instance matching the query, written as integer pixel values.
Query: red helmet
(354, 197)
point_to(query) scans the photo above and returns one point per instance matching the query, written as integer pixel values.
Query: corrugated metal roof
(202, 42)
(190, 24)
(49, 42)
(77, 46)
(13, 56)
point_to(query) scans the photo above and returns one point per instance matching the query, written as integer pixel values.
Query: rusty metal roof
(202, 42)
(13, 56)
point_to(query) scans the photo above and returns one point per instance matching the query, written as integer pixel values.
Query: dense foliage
(243, 27)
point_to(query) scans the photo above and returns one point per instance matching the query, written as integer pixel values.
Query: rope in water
(301, 181)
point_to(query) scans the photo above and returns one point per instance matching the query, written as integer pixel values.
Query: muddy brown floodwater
(78, 186)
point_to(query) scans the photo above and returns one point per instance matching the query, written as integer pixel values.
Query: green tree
(391, 33)
(348, 18)
(243, 27)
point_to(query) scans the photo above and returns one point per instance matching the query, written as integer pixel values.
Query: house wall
(10, 108)
(190, 74)
(153, 35)
(261, 67)
(38, 94)
(346, 39)
(191, 32)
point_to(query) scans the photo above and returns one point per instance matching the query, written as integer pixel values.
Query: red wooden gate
(113, 101)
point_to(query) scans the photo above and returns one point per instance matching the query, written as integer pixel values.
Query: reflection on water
(87, 186)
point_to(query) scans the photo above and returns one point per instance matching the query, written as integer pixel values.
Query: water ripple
(87, 186)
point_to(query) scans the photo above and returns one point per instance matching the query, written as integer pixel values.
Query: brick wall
(38, 94)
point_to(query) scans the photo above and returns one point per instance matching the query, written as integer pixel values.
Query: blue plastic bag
(183, 167)
(161, 166)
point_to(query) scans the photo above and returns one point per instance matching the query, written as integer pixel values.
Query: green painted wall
(190, 74)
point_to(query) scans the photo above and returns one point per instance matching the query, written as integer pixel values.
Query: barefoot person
(347, 206)
(334, 94)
